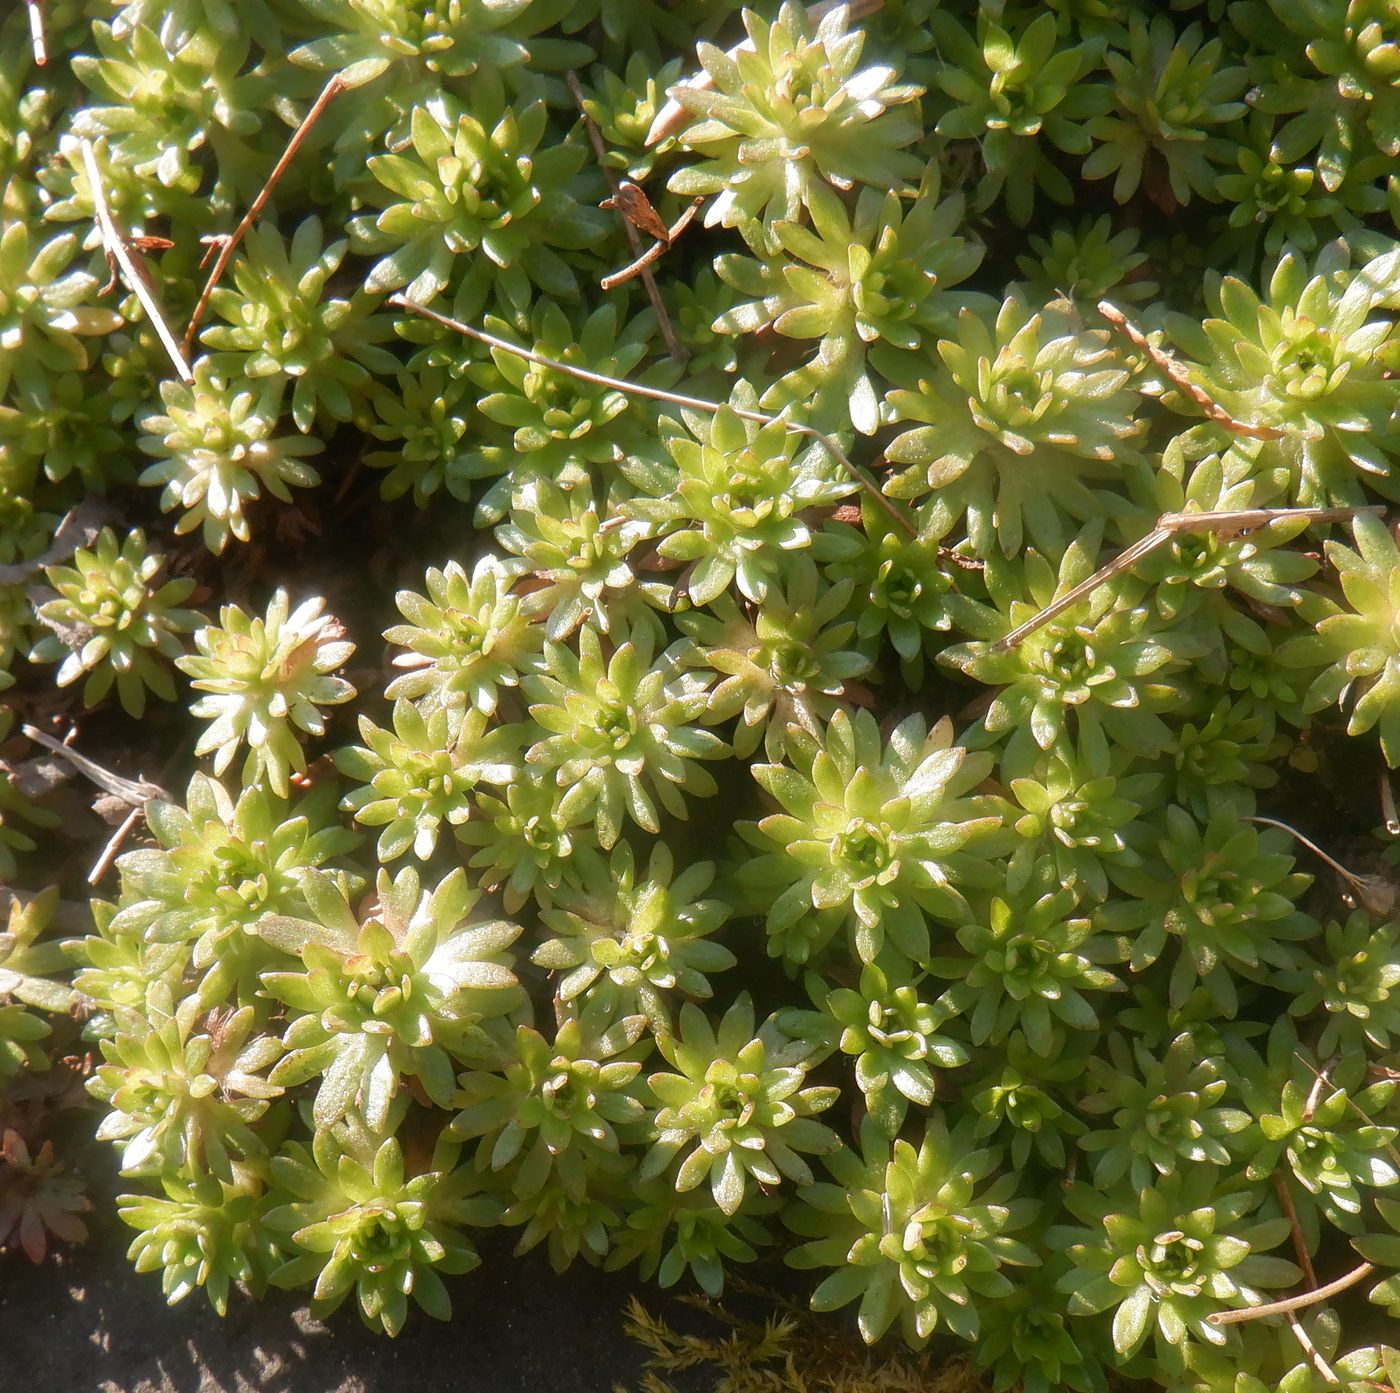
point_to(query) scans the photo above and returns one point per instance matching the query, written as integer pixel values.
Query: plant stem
(230, 243)
(1294, 1303)
(674, 346)
(133, 271)
(639, 389)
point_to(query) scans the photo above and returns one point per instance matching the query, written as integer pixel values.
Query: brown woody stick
(674, 346)
(1168, 526)
(1181, 377)
(229, 244)
(655, 252)
(1294, 1303)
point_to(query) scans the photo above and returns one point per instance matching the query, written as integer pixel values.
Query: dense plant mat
(785, 649)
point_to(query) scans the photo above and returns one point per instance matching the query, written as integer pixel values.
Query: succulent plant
(1029, 961)
(1102, 664)
(1075, 812)
(216, 453)
(164, 95)
(1357, 984)
(17, 810)
(46, 312)
(850, 280)
(1171, 92)
(628, 939)
(1359, 643)
(1006, 90)
(878, 832)
(553, 1116)
(469, 636)
(201, 1232)
(1306, 360)
(421, 774)
(282, 325)
(1166, 1111)
(1228, 892)
(669, 1235)
(474, 178)
(358, 1221)
(619, 732)
(1324, 1127)
(738, 1107)
(525, 844)
(31, 974)
(549, 425)
(896, 1040)
(184, 1086)
(1026, 423)
(1187, 1251)
(789, 665)
(1082, 264)
(577, 551)
(734, 502)
(787, 110)
(396, 993)
(219, 865)
(266, 678)
(913, 1233)
(112, 624)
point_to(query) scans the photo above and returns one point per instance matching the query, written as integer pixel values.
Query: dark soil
(84, 1322)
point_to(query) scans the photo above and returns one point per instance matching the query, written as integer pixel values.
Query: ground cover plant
(780, 652)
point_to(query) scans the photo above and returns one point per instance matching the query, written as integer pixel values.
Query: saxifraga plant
(782, 765)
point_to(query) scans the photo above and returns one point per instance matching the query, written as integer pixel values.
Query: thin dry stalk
(1372, 892)
(1388, 812)
(1168, 526)
(137, 793)
(229, 244)
(1181, 377)
(1350, 1102)
(655, 252)
(114, 844)
(1294, 1303)
(674, 346)
(638, 389)
(1300, 1247)
(36, 32)
(120, 255)
(1312, 1351)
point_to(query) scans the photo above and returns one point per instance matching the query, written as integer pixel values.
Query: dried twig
(1300, 1247)
(135, 792)
(1180, 376)
(1392, 818)
(36, 32)
(673, 116)
(1294, 1303)
(229, 245)
(120, 254)
(1168, 526)
(638, 389)
(1329, 1375)
(1350, 1102)
(655, 252)
(114, 843)
(674, 346)
(1372, 892)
